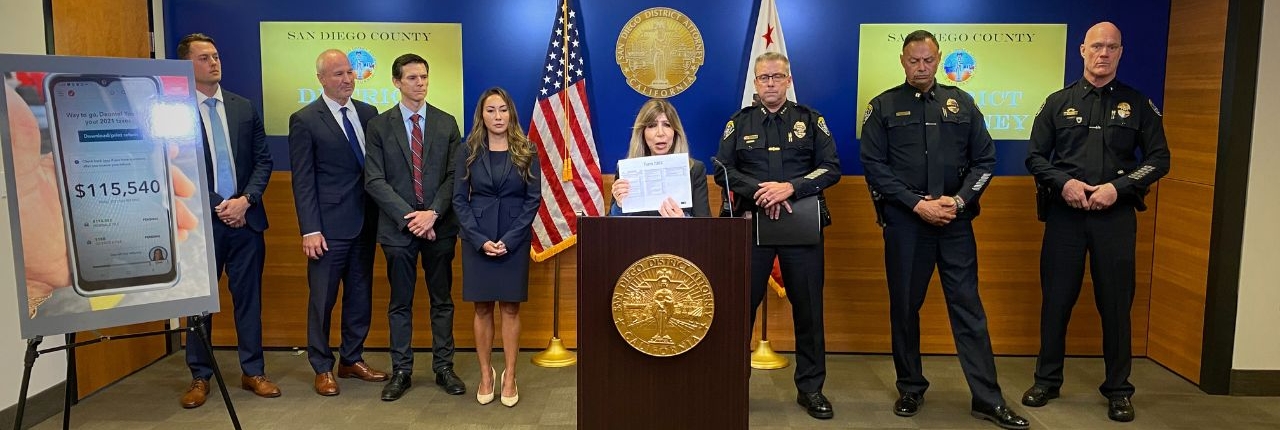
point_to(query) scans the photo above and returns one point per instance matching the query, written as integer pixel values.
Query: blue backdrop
(504, 41)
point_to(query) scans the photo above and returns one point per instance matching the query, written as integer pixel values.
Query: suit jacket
(251, 156)
(493, 202)
(388, 173)
(328, 179)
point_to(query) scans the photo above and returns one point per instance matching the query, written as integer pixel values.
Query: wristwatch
(959, 204)
(251, 198)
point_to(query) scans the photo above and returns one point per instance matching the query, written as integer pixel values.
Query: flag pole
(566, 172)
(763, 357)
(556, 355)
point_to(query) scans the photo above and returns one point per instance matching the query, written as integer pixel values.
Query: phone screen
(114, 178)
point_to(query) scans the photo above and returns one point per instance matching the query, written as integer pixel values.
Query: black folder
(803, 226)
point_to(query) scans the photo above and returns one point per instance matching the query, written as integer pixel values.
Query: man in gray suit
(409, 174)
(338, 220)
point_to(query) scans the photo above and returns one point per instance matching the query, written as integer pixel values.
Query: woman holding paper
(497, 189)
(657, 131)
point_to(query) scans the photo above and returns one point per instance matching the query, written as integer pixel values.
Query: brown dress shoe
(196, 393)
(361, 370)
(326, 385)
(260, 385)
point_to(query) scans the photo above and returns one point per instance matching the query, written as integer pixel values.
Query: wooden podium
(620, 387)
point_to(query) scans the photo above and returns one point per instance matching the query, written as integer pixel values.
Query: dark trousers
(1108, 237)
(802, 277)
(351, 262)
(912, 249)
(238, 252)
(402, 271)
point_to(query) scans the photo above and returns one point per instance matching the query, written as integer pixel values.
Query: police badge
(953, 106)
(1123, 110)
(799, 129)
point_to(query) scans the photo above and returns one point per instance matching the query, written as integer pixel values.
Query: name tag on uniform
(903, 113)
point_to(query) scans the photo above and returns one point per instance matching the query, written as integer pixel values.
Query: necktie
(933, 148)
(415, 146)
(352, 139)
(224, 178)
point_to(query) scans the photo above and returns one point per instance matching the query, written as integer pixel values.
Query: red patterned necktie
(416, 147)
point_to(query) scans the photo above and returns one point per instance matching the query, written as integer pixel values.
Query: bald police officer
(928, 155)
(1082, 154)
(775, 153)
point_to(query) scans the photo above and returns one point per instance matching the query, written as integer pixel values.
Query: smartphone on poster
(114, 183)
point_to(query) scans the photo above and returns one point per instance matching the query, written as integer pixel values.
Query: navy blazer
(250, 154)
(388, 173)
(328, 179)
(490, 207)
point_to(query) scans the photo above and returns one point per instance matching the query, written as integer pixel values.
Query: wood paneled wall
(1193, 92)
(107, 28)
(856, 299)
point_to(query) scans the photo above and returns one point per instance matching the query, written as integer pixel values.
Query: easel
(195, 324)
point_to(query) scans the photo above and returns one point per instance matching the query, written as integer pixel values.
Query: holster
(877, 201)
(1044, 198)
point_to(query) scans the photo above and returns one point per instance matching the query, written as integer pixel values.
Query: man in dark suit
(409, 174)
(337, 219)
(239, 165)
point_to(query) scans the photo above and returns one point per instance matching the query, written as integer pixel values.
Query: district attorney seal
(663, 305)
(660, 51)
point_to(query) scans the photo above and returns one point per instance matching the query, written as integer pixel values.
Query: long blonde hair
(648, 114)
(518, 145)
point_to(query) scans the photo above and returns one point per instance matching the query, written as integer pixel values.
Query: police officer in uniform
(773, 154)
(1082, 154)
(928, 157)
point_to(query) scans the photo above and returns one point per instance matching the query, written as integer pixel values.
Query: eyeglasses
(1098, 47)
(779, 77)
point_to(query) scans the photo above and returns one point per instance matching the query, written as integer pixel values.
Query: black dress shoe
(1119, 408)
(1038, 396)
(908, 405)
(400, 382)
(816, 405)
(450, 381)
(1001, 416)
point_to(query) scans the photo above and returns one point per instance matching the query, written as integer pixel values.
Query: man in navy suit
(338, 221)
(239, 165)
(409, 173)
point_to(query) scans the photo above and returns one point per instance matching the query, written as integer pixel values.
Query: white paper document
(655, 178)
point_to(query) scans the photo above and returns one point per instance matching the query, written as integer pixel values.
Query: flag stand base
(556, 355)
(764, 358)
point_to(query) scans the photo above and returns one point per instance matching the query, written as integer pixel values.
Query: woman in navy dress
(498, 188)
(657, 131)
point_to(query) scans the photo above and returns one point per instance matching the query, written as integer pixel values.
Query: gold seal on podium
(660, 51)
(663, 305)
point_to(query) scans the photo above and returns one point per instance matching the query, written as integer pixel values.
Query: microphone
(727, 192)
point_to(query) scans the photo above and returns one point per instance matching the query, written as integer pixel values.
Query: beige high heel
(485, 399)
(510, 401)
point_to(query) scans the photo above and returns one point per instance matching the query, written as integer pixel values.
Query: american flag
(561, 128)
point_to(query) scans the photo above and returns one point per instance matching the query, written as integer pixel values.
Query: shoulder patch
(867, 115)
(822, 125)
(1154, 108)
(728, 129)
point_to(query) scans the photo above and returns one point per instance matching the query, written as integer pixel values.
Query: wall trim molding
(1255, 382)
(1231, 192)
(40, 407)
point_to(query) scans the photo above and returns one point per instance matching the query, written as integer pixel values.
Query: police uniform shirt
(1092, 133)
(927, 143)
(790, 145)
